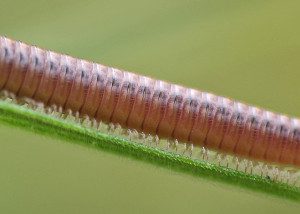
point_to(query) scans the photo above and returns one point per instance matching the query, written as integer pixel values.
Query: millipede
(147, 105)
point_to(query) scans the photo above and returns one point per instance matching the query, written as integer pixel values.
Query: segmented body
(148, 105)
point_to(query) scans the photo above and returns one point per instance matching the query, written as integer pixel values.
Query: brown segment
(80, 86)
(19, 67)
(148, 105)
(296, 161)
(257, 130)
(66, 77)
(275, 147)
(220, 124)
(141, 105)
(295, 148)
(236, 128)
(126, 99)
(157, 107)
(34, 72)
(188, 116)
(204, 120)
(111, 95)
(289, 149)
(172, 113)
(49, 79)
(95, 91)
(7, 51)
(265, 132)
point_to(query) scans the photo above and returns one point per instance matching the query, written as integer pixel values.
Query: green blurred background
(247, 50)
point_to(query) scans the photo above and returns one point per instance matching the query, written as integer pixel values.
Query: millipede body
(148, 105)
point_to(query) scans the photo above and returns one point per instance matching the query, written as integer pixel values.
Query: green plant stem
(42, 123)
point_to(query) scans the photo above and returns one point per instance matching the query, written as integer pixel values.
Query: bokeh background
(247, 50)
